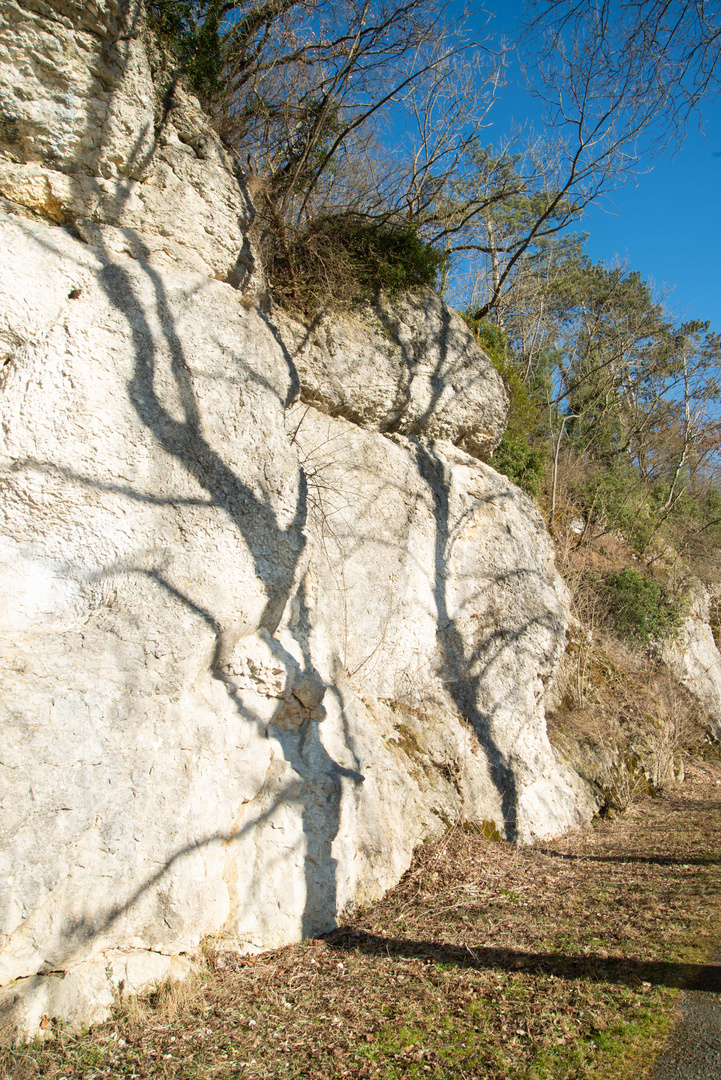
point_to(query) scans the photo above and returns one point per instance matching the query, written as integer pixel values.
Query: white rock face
(437, 578)
(695, 660)
(239, 645)
(412, 367)
(87, 139)
(252, 654)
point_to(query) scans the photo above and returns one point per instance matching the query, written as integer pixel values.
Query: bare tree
(597, 118)
(330, 75)
(615, 80)
(376, 109)
(667, 51)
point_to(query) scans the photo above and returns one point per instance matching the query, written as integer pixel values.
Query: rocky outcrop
(695, 660)
(258, 639)
(410, 367)
(437, 580)
(90, 139)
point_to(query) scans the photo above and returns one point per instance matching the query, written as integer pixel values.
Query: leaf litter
(557, 961)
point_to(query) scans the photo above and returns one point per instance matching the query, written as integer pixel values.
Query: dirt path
(564, 961)
(694, 1048)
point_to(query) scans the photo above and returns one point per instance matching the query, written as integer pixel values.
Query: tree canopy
(363, 124)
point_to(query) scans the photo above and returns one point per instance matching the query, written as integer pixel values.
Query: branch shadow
(460, 682)
(613, 969)
(275, 550)
(652, 860)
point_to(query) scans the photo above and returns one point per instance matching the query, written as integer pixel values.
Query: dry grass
(621, 717)
(623, 720)
(556, 961)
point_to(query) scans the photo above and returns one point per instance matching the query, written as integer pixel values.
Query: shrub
(522, 454)
(192, 31)
(520, 462)
(639, 607)
(340, 259)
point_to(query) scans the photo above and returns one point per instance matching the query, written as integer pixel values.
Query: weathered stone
(438, 581)
(252, 654)
(87, 993)
(88, 139)
(411, 367)
(203, 613)
(695, 659)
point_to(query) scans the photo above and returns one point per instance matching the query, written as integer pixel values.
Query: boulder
(694, 657)
(96, 134)
(411, 367)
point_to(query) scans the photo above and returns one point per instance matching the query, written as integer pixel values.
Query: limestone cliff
(694, 658)
(267, 619)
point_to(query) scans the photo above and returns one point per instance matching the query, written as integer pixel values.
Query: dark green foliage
(388, 258)
(491, 339)
(522, 454)
(192, 32)
(640, 609)
(616, 498)
(520, 462)
(344, 260)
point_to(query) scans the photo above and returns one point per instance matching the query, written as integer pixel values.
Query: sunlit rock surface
(253, 653)
(695, 659)
(89, 138)
(411, 367)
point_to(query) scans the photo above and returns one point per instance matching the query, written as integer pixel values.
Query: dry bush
(418, 688)
(342, 260)
(677, 728)
(622, 718)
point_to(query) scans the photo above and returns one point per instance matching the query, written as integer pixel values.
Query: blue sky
(667, 223)
(668, 226)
